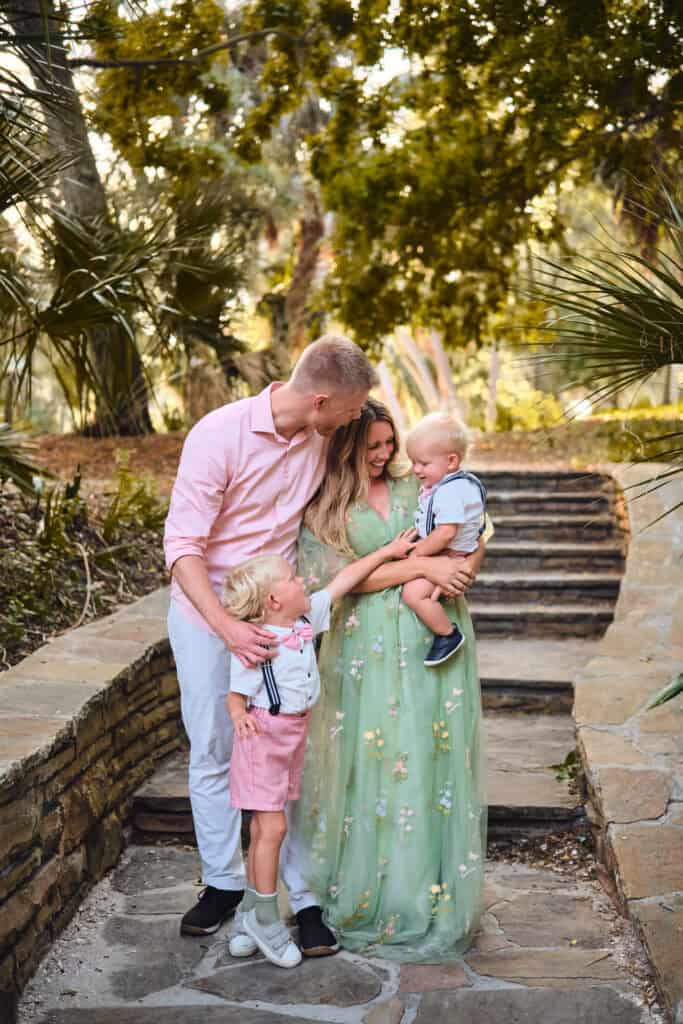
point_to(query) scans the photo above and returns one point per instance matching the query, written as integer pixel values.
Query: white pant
(203, 665)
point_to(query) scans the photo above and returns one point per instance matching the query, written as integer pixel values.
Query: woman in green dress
(392, 808)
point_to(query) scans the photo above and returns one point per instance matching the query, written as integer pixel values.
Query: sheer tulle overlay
(392, 806)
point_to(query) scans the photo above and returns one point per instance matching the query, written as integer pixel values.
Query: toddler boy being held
(450, 518)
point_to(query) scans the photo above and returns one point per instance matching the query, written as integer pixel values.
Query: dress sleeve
(317, 562)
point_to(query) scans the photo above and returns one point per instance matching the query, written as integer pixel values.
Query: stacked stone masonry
(632, 756)
(84, 720)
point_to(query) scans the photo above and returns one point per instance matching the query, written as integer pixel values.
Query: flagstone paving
(550, 950)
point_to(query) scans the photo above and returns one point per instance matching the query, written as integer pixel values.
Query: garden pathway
(552, 947)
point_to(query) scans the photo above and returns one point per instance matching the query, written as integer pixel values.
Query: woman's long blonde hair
(346, 477)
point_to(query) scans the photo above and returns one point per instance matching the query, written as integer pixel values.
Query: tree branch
(196, 58)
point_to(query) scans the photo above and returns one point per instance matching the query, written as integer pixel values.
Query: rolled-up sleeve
(197, 497)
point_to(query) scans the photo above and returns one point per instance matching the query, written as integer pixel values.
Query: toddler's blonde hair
(442, 430)
(246, 588)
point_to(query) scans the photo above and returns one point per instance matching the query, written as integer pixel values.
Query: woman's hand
(453, 576)
(402, 544)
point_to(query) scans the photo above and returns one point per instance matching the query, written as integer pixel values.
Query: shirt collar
(261, 413)
(261, 417)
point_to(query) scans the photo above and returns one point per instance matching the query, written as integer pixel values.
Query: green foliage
(674, 688)
(62, 511)
(618, 317)
(56, 569)
(134, 503)
(434, 168)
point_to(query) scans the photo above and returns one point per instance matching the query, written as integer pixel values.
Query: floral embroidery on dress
(381, 807)
(400, 771)
(441, 737)
(339, 727)
(378, 645)
(351, 623)
(404, 823)
(389, 929)
(374, 741)
(440, 898)
(394, 705)
(445, 802)
(356, 668)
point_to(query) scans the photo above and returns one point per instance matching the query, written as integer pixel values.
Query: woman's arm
(453, 575)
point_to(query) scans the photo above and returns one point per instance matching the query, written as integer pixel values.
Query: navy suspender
(271, 687)
(270, 682)
(460, 475)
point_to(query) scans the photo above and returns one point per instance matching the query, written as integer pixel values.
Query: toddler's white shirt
(295, 669)
(458, 501)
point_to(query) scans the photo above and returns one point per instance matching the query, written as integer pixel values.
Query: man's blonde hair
(333, 363)
(445, 432)
(246, 588)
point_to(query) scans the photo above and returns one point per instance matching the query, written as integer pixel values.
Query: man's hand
(251, 644)
(453, 576)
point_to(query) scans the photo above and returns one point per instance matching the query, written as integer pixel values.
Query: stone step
(547, 587)
(524, 796)
(565, 555)
(558, 527)
(515, 619)
(588, 503)
(542, 480)
(531, 676)
(550, 949)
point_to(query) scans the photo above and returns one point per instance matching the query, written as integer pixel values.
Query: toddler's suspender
(271, 687)
(270, 682)
(460, 475)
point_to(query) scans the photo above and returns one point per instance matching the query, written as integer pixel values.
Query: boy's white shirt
(295, 670)
(458, 501)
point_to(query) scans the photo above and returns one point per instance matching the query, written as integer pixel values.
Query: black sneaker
(212, 908)
(444, 647)
(315, 938)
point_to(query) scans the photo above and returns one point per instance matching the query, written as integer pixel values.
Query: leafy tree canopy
(450, 118)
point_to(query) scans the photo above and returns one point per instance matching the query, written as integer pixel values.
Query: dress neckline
(379, 514)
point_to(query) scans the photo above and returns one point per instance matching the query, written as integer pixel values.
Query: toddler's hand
(436, 594)
(245, 725)
(402, 544)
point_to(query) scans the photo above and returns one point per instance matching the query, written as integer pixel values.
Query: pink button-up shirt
(241, 490)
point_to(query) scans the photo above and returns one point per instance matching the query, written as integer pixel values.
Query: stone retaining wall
(83, 721)
(633, 758)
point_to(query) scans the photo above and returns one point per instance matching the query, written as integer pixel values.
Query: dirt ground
(157, 455)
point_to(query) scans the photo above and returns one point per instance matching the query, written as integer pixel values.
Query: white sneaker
(240, 943)
(273, 940)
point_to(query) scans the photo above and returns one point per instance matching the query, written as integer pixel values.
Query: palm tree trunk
(122, 399)
(312, 230)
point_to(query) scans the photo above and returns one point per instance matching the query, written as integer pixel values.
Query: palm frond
(16, 459)
(668, 693)
(615, 317)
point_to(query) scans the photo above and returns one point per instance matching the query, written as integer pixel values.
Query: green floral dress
(392, 807)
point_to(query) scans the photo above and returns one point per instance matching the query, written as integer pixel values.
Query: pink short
(265, 770)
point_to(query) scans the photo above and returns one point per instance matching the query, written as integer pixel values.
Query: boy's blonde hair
(442, 430)
(333, 363)
(246, 588)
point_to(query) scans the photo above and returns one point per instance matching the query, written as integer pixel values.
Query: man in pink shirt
(247, 472)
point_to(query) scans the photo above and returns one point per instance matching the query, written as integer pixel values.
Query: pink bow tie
(426, 492)
(299, 635)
